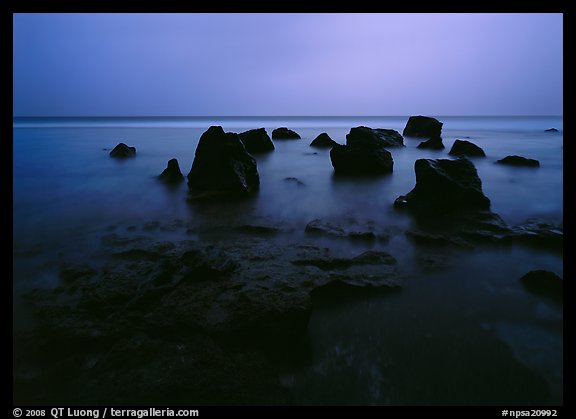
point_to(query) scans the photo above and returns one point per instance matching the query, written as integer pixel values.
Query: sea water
(68, 192)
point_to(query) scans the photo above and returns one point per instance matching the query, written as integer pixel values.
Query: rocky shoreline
(209, 321)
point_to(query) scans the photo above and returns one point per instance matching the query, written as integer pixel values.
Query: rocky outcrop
(323, 140)
(465, 148)
(519, 161)
(153, 313)
(222, 168)
(445, 185)
(348, 160)
(350, 230)
(374, 137)
(284, 133)
(172, 173)
(364, 152)
(434, 143)
(122, 151)
(256, 141)
(422, 126)
(544, 283)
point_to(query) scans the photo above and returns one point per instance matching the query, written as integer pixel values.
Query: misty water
(416, 345)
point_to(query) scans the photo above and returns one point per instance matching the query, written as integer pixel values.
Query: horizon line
(284, 116)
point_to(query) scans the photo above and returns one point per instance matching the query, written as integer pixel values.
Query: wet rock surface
(518, 161)
(351, 229)
(182, 321)
(444, 185)
(323, 140)
(283, 133)
(374, 137)
(422, 126)
(222, 168)
(122, 151)
(257, 141)
(365, 152)
(544, 283)
(172, 173)
(466, 148)
(434, 143)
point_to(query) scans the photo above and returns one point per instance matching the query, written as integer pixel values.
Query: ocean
(68, 193)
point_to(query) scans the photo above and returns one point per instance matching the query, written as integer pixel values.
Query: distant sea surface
(68, 192)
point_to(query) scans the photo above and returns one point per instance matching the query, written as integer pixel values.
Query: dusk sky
(287, 64)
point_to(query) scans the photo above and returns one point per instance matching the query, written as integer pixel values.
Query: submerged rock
(323, 140)
(466, 148)
(519, 161)
(350, 230)
(551, 130)
(222, 168)
(122, 151)
(256, 141)
(445, 185)
(284, 133)
(422, 126)
(544, 283)
(434, 143)
(172, 173)
(156, 313)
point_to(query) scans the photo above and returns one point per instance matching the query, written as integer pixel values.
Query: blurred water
(68, 192)
(65, 180)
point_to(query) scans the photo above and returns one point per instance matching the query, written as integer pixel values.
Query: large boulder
(348, 160)
(445, 185)
(323, 141)
(222, 167)
(122, 151)
(256, 141)
(365, 152)
(466, 148)
(284, 133)
(172, 173)
(422, 126)
(434, 143)
(369, 137)
(519, 161)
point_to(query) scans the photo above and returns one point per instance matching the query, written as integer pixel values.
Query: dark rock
(466, 148)
(519, 161)
(364, 152)
(422, 126)
(323, 140)
(294, 180)
(222, 168)
(544, 283)
(348, 160)
(370, 257)
(373, 137)
(350, 231)
(434, 143)
(256, 141)
(539, 234)
(445, 185)
(284, 133)
(551, 130)
(70, 272)
(122, 151)
(172, 173)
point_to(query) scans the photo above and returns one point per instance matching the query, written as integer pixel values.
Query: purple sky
(287, 64)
